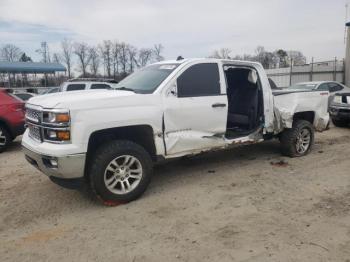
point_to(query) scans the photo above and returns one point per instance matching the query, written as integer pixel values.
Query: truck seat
(243, 99)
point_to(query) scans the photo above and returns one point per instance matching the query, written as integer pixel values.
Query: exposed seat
(243, 98)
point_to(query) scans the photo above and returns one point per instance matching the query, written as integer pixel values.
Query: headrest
(252, 77)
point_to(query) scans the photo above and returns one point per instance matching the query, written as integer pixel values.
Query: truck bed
(287, 103)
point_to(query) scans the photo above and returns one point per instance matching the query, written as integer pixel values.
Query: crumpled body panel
(288, 104)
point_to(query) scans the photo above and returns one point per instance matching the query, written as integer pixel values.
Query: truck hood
(71, 98)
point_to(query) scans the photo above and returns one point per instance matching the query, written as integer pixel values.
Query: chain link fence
(314, 71)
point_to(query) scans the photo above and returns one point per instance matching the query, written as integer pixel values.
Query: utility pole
(346, 20)
(347, 56)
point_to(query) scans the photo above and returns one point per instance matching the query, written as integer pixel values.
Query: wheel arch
(304, 115)
(140, 134)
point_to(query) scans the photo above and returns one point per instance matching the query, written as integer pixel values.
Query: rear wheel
(298, 140)
(340, 122)
(5, 138)
(120, 172)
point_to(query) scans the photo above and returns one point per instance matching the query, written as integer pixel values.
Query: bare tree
(157, 50)
(144, 56)
(106, 54)
(222, 53)
(297, 57)
(132, 52)
(56, 58)
(45, 52)
(67, 52)
(123, 57)
(115, 58)
(10, 53)
(94, 60)
(81, 50)
(264, 57)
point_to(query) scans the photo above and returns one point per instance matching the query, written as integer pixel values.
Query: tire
(293, 140)
(340, 122)
(110, 172)
(5, 138)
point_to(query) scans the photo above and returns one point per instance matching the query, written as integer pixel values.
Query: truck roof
(187, 60)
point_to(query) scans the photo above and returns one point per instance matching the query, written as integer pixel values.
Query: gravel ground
(243, 204)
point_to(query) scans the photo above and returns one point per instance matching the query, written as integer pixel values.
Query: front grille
(39, 126)
(34, 132)
(33, 115)
(346, 99)
(33, 120)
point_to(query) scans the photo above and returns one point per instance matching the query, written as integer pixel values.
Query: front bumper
(67, 167)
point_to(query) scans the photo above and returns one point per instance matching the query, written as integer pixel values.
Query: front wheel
(120, 172)
(298, 140)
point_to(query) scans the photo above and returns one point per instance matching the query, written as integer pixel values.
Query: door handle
(218, 105)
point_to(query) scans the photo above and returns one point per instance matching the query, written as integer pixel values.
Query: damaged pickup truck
(111, 138)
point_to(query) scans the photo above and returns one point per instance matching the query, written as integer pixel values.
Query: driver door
(195, 110)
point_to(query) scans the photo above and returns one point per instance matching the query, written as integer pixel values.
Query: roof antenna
(179, 58)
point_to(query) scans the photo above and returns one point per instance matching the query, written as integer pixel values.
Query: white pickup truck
(111, 138)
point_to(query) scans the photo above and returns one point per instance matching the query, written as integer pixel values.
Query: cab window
(199, 80)
(100, 86)
(75, 87)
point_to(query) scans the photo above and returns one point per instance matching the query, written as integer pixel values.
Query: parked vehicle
(25, 96)
(331, 86)
(85, 84)
(52, 90)
(340, 109)
(11, 118)
(112, 138)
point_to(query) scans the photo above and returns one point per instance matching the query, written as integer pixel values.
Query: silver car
(332, 87)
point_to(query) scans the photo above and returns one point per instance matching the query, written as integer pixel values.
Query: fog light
(54, 162)
(50, 162)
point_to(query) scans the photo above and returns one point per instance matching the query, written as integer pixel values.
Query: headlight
(337, 99)
(57, 117)
(56, 126)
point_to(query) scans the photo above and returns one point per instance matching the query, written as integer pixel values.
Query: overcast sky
(192, 28)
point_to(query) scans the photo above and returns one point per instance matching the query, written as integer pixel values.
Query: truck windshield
(146, 80)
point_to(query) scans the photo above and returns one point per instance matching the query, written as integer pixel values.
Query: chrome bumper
(69, 166)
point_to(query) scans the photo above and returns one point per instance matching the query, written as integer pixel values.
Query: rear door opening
(245, 101)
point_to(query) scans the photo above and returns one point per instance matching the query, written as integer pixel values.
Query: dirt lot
(225, 206)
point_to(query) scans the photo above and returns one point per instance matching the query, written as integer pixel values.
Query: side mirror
(173, 89)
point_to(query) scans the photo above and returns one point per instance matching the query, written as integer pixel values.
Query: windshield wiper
(125, 88)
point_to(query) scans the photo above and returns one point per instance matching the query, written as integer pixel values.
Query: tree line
(113, 59)
(276, 59)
